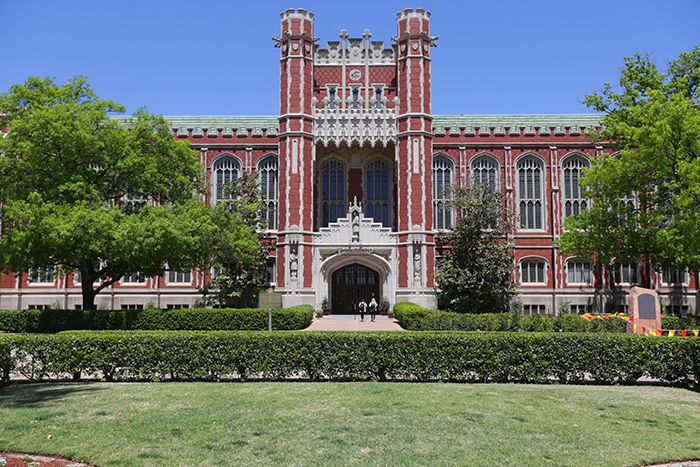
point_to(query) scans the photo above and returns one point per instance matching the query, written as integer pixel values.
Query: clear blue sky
(217, 58)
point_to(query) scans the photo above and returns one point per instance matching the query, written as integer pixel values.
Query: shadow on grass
(37, 394)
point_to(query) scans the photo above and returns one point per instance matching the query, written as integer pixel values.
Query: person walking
(362, 307)
(373, 308)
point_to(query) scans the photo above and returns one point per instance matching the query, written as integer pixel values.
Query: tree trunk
(646, 274)
(86, 281)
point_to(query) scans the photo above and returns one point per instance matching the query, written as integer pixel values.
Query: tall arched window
(442, 183)
(530, 193)
(485, 171)
(574, 202)
(332, 191)
(225, 170)
(377, 192)
(268, 172)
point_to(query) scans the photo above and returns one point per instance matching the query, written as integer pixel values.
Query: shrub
(416, 318)
(297, 317)
(416, 356)
(674, 322)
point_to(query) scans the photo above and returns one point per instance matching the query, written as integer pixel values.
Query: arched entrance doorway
(351, 284)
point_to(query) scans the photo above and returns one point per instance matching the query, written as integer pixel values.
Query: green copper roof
(441, 121)
(205, 121)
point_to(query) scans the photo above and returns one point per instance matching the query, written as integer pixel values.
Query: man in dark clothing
(373, 308)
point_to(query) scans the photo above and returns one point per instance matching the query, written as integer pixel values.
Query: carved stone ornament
(355, 74)
(415, 46)
(340, 125)
(355, 250)
(295, 46)
(308, 48)
(403, 48)
(284, 47)
(425, 48)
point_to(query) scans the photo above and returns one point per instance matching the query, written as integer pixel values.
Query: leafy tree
(67, 168)
(653, 119)
(476, 276)
(238, 279)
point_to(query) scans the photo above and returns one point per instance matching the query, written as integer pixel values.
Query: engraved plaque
(647, 306)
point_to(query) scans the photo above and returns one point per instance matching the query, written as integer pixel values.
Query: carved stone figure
(417, 265)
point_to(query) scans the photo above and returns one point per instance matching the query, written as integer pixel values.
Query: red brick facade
(355, 125)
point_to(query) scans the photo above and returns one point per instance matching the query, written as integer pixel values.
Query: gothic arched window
(224, 171)
(485, 171)
(530, 196)
(269, 185)
(377, 192)
(574, 202)
(442, 184)
(332, 191)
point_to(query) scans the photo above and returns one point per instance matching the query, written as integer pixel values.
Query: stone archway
(352, 283)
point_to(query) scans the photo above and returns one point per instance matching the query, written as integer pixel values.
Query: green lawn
(341, 423)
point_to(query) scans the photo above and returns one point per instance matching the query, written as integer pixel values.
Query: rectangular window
(177, 307)
(132, 307)
(42, 275)
(177, 277)
(578, 272)
(532, 272)
(39, 307)
(135, 278)
(77, 278)
(355, 98)
(674, 276)
(271, 271)
(679, 310)
(625, 273)
(578, 309)
(535, 309)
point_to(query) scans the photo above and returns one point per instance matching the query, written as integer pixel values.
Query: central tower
(355, 164)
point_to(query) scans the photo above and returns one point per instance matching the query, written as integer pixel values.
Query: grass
(350, 423)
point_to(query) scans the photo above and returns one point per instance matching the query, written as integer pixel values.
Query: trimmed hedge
(416, 318)
(343, 356)
(253, 319)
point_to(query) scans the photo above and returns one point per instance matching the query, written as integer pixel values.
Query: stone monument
(645, 308)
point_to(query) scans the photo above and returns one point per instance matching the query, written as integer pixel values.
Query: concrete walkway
(347, 323)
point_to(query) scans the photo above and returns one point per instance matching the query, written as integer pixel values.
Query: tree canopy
(238, 278)
(646, 190)
(83, 192)
(476, 274)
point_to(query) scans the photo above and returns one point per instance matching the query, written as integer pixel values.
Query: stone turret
(414, 146)
(296, 149)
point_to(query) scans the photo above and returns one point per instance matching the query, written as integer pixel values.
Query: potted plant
(384, 306)
(326, 306)
(391, 314)
(319, 313)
